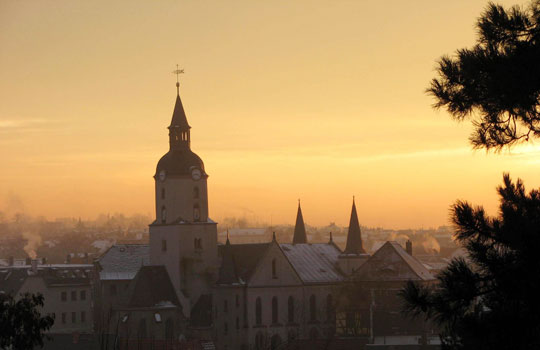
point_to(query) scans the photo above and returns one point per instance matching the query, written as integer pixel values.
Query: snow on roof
(314, 263)
(122, 261)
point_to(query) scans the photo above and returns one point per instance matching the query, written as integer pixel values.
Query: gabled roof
(11, 280)
(299, 229)
(246, 257)
(122, 261)
(179, 118)
(201, 312)
(315, 262)
(227, 270)
(354, 236)
(392, 263)
(151, 287)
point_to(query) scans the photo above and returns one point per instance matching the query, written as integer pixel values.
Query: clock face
(196, 174)
(162, 175)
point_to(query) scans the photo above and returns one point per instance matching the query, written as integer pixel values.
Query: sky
(317, 100)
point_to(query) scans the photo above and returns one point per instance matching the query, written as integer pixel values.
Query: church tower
(183, 237)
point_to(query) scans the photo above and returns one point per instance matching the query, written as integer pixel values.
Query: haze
(318, 100)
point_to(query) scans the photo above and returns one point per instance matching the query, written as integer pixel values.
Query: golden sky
(318, 100)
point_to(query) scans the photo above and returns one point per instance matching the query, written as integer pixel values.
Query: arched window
(274, 270)
(162, 193)
(196, 192)
(258, 311)
(142, 329)
(259, 341)
(312, 308)
(291, 309)
(169, 329)
(275, 342)
(330, 311)
(163, 215)
(275, 310)
(196, 213)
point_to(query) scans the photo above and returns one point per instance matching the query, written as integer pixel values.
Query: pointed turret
(354, 236)
(299, 229)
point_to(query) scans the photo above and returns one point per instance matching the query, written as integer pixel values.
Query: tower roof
(179, 119)
(299, 229)
(354, 236)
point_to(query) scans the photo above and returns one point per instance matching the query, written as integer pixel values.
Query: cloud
(14, 125)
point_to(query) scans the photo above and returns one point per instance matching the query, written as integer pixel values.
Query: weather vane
(178, 71)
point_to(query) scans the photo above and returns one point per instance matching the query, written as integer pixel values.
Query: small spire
(354, 236)
(300, 235)
(274, 236)
(331, 238)
(228, 242)
(178, 71)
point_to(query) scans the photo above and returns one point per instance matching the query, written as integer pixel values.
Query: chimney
(43, 261)
(11, 261)
(28, 261)
(68, 259)
(408, 247)
(34, 263)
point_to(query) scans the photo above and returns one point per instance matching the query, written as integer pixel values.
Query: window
(196, 213)
(225, 306)
(142, 329)
(197, 243)
(63, 317)
(291, 309)
(112, 289)
(258, 311)
(312, 308)
(274, 272)
(330, 312)
(225, 328)
(259, 341)
(74, 317)
(74, 295)
(162, 193)
(83, 295)
(196, 192)
(275, 310)
(169, 329)
(163, 215)
(63, 296)
(163, 245)
(83, 317)
(313, 334)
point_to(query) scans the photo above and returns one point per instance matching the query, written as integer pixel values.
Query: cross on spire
(178, 71)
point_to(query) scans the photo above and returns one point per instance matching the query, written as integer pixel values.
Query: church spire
(179, 134)
(299, 229)
(354, 236)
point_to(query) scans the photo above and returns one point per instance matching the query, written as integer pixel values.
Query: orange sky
(318, 100)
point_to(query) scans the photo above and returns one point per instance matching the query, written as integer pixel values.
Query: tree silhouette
(493, 301)
(21, 323)
(496, 83)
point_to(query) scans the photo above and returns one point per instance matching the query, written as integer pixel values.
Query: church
(235, 296)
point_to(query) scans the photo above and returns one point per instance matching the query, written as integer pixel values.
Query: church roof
(179, 118)
(151, 287)
(122, 261)
(299, 229)
(314, 262)
(245, 257)
(354, 236)
(227, 270)
(392, 263)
